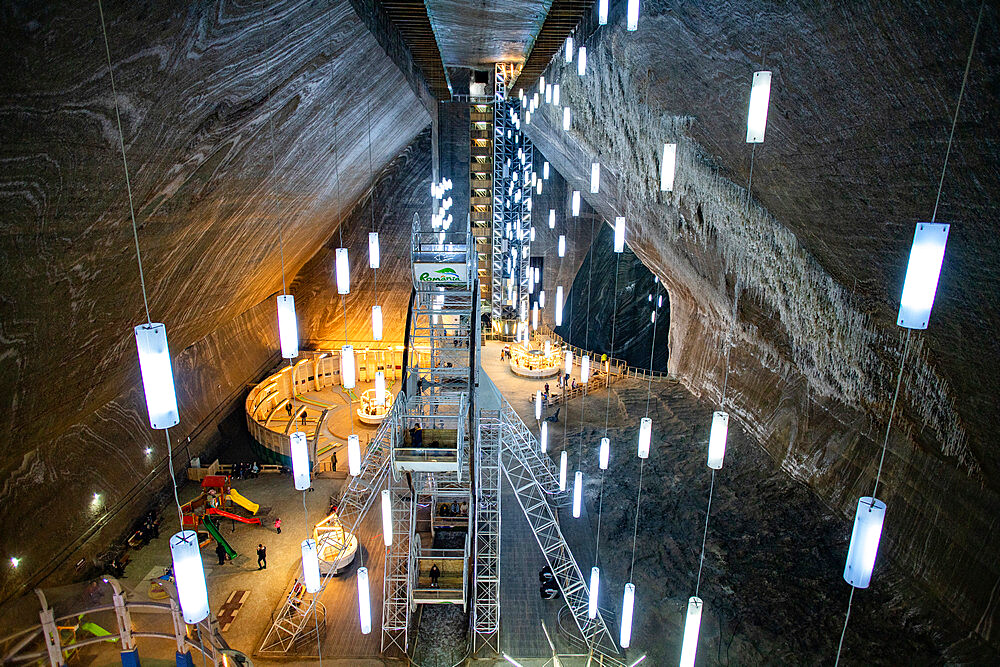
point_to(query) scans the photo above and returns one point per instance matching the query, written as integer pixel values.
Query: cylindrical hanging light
(595, 177)
(668, 167)
(577, 494)
(299, 447)
(566, 119)
(602, 19)
(189, 576)
(548, 347)
(541, 298)
(545, 165)
(364, 601)
(569, 362)
(692, 626)
(585, 368)
(552, 218)
(559, 305)
(544, 438)
(548, 93)
(288, 328)
(922, 272)
(555, 100)
(534, 316)
(595, 584)
(563, 462)
(576, 203)
(343, 272)
(581, 63)
(717, 439)
(380, 388)
(354, 454)
(347, 376)
(760, 94)
(373, 251)
(157, 375)
(619, 234)
(386, 518)
(632, 15)
(628, 603)
(310, 566)
(605, 454)
(538, 404)
(645, 436)
(562, 245)
(531, 231)
(377, 322)
(569, 49)
(864, 542)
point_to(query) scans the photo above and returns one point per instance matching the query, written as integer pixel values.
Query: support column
(53, 643)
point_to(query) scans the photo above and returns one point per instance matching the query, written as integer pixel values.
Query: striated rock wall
(814, 359)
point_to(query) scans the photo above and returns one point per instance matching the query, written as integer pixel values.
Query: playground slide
(214, 531)
(243, 502)
(230, 515)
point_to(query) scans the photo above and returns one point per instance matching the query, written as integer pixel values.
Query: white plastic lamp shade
(576, 203)
(538, 404)
(922, 272)
(541, 84)
(569, 362)
(189, 575)
(717, 439)
(534, 316)
(373, 252)
(668, 167)
(544, 438)
(569, 49)
(377, 322)
(577, 494)
(288, 328)
(652, 316)
(386, 518)
(692, 626)
(645, 436)
(605, 455)
(566, 119)
(545, 165)
(541, 299)
(548, 344)
(619, 234)
(562, 245)
(595, 585)
(299, 446)
(595, 177)
(379, 388)
(548, 94)
(563, 462)
(531, 231)
(585, 368)
(347, 376)
(632, 15)
(364, 601)
(157, 375)
(760, 95)
(310, 566)
(559, 305)
(602, 19)
(343, 272)
(555, 101)
(581, 62)
(354, 455)
(628, 603)
(864, 542)
(552, 218)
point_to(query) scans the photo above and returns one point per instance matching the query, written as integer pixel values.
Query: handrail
(618, 366)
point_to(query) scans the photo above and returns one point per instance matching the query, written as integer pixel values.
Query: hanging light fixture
(605, 453)
(548, 94)
(628, 603)
(300, 461)
(534, 317)
(157, 376)
(595, 584)
(577, 494)
(595, 177)
(377, 322)
(386, 518)
(581, 63)
(538, 404)
(865, 537)
(692, 626)
(310, 566)
(717, 439)
(354, 454)
(380, 388)
(645, 436)
(347, 375)
(541, 300)
(576, 203)
(373, 251)
(548, 345)
(569, 49)
(602, 19)
(566, 119)
(559, 305)
(288, 330)
(541, 84)
(189, 576)
(632, 15)
(545, 165)
(538, 187)
(552, 218)
(544, 439)
(585, 368)
(364, 601)
(343, 272)
(555, 97)
(668, 166)
(760, 94)
(619, 234)
(562, 245)
(569, 362)
(562, 470)
(922, 272)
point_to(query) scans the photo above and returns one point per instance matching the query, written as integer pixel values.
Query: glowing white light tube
(569, 49)
(595, 177)
(864, 542)
(576, 202)
(386, 518)
(538, 404)
(288, 328)
(343, 272)
(373, 251)
(189, 575)
(364, 601)
(581, 63)
(595, 584)
(577, 494)
(562, 245)
(347, 375)
(619, 234)
(692, 626)
(645, 436)
(585, 368)
(379, 387)
(544, 439)
(628, 602)
(300, 460)
(559, 305)
(552, 218)
(377, 322)
(569, 362)
(602, 19)
(632, 15)
(605, 454)
(563, 462)
(566, 118)
(157, 375)
(354, 455)
(760, 94)
(922, 273)
(717, 439)
(310, 566)
(668, 167)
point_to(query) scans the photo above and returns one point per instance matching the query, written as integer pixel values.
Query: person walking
(304, 417)
(261, 557)
(277, 525)
(220, 551)
(333, 460)
(435, 573)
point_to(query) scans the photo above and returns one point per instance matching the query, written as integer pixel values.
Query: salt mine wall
(233, 121)
(814, 356)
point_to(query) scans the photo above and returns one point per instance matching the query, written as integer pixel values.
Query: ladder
(525, 446)
(486, 611)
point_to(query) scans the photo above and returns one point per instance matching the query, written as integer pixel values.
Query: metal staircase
(525, 446)
(486, 610)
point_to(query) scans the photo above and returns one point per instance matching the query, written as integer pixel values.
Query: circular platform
(534, 363)
(373, 411)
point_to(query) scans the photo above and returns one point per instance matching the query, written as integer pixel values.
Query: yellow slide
(243, 502)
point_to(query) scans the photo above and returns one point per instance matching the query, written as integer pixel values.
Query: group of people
(548, 589)
(454, 508)
(505, 353)
(244, 470)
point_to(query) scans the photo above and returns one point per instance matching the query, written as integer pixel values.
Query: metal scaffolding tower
(486, 612)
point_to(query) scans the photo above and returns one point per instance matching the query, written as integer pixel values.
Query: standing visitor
(435, 573)
(261, 557)
(220, 551)
(277, 525)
